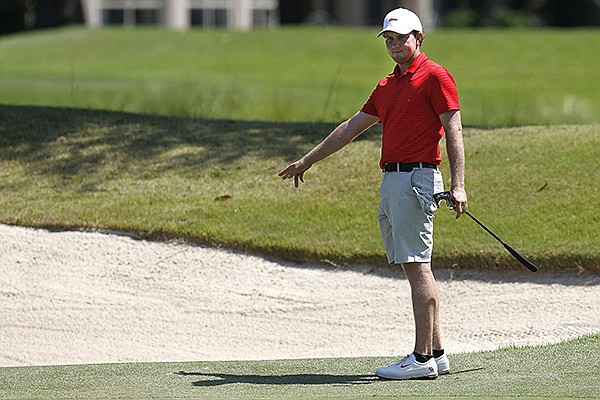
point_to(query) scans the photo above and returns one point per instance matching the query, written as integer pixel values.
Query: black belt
(405, 167)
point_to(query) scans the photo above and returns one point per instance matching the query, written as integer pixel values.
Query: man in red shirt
(417, 104)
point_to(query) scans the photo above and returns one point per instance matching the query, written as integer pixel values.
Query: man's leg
(407, 230)
(425, 300)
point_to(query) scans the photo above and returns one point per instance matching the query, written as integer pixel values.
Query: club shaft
(484, 227)
(528, 264)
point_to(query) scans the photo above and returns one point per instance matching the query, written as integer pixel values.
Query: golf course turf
(167, 136)
(562, 371)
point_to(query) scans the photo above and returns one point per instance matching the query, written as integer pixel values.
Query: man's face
(402, 48)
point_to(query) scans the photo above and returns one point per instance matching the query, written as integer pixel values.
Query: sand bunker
(91, 297)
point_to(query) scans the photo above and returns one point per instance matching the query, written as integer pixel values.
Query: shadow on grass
(89, 139)
(216, 379)
(79, 150)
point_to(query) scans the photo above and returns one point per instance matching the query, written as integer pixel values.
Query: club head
(447, 196)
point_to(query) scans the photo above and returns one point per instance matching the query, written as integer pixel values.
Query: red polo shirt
(409, 106)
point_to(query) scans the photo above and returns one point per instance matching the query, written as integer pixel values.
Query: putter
(438, 197)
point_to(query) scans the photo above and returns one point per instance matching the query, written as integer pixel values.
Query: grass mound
(214, 181)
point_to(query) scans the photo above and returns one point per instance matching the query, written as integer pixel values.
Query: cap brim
(398, 31)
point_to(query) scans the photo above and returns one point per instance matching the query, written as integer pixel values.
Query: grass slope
(505, 77)
(215, 181)
(563, 371)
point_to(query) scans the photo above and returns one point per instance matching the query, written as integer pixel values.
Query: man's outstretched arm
(343, 134)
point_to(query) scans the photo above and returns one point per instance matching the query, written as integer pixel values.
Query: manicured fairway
(551, 372)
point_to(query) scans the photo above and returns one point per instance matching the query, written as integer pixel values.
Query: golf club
(438, 197)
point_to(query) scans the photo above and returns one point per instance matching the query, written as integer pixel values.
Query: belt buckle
(387, 167)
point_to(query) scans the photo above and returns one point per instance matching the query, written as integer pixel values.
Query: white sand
(90, 297)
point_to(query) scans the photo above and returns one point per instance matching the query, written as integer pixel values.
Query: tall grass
(505, 77)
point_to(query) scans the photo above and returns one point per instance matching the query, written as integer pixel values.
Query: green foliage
(505, 77)
(501, 17)
(561, 371)
(215, 181)
(460, 18)
(508, 18)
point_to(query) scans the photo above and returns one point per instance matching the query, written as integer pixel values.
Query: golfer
(417, 104)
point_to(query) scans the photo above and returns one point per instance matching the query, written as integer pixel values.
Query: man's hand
(296, 171)
(343, 134)
(459, 197)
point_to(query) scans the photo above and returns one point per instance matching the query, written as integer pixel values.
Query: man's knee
(416, 269)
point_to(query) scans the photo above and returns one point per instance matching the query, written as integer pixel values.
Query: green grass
(214, 181)
(567, 370)
(159, 176)
(505, 77)
(210, 176)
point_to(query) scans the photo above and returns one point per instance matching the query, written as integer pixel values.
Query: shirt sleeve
(443, 92)
(369, 107)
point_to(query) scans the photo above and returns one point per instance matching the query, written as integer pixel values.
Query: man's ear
(420, 38)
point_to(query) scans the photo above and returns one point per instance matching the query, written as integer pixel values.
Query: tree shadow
(217, 379)
(87, 140)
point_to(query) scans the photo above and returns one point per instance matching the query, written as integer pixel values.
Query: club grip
(528, 264)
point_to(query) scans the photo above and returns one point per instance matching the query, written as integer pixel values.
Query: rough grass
(505, 77)
(215, 181)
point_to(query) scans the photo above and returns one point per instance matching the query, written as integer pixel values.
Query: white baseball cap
(401, 21)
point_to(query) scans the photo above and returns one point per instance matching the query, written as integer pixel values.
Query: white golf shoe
(409, 368)
(443, 364)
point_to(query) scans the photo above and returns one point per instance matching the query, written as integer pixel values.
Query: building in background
(246, 14)
(18, 15)
(182, 14)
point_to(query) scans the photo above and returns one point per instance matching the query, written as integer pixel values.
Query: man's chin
(399, 58)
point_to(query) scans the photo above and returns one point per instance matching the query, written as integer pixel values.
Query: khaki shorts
(406, 211)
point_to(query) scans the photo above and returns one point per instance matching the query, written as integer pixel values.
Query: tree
(11, 16)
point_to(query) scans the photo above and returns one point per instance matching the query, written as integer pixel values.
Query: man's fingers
(293, 171)
(288, 174)
(297, 177)
(285, 173)
(460, 208)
